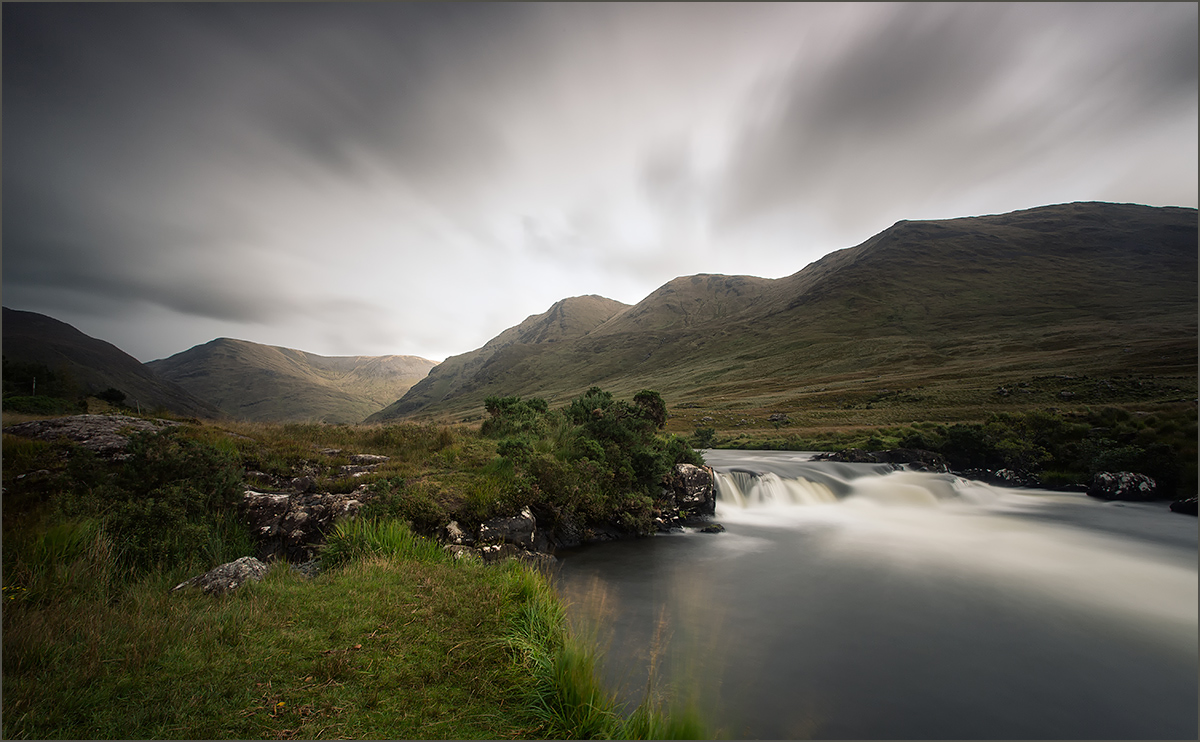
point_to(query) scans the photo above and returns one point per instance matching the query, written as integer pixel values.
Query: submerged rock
(1187, 506)
(227, 577)
(914, 458)
(1122, 485)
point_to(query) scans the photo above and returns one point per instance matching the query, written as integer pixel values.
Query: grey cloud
(928, 103)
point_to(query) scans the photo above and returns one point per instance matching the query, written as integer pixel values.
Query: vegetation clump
(597, 462)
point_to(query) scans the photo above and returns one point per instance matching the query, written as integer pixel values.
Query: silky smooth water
(851, 601)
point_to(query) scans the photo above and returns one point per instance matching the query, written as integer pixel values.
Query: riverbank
(391, 643)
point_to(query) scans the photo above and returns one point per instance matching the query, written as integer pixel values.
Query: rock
(713, 528)
(1187, 506)
(849, 456)
(518, 530)
(227, 577)
(293, 526)
(107, 435)
(454, 534)
(914, 458)
(693, 489)
(460, 552)
(368, 458)
(778, 417)
(1122, 485)
(303, 484)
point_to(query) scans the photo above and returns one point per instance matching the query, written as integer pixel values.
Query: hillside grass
(392, 639)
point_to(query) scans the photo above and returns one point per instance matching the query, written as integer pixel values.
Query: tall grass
(360, 538)
(565, 696)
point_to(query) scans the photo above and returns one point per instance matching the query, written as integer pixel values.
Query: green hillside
(566, 321)
(82, 365)
(266, 383)
(927, 318)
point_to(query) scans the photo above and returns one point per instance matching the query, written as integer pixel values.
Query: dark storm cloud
(417, 177)
(939, 96)
(124, 123)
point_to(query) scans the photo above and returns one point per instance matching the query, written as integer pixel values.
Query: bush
(599, 460)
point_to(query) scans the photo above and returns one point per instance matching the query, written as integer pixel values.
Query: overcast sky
(394, 178)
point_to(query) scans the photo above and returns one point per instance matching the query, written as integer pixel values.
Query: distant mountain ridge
(268, 383)
(94, 365)
(566, 320)
(1080, 287)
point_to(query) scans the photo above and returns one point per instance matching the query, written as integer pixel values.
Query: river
(849, 601)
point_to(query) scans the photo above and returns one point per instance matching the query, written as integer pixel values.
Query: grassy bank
(396, 642)
(391, 640)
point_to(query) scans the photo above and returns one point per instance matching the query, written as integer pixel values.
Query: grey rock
(107, 435)
(518, 530)
(227, 577)
(693, 489)
(293, 526)
(368, 458)
(454, 534)
(303, 484)
(1122, 485)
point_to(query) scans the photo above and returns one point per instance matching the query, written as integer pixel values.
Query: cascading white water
(861, 601)
(743, 489)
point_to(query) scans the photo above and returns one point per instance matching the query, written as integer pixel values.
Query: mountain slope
(93, 365)
(562, 323)
(273, 384)
(953, 306)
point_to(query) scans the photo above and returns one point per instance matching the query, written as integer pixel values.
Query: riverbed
(851, 601)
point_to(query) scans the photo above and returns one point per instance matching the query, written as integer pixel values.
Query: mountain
(942, 310)
(505, 354)
(92, 365)
(272, 384)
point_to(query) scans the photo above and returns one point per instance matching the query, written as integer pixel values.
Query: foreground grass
(397, 642)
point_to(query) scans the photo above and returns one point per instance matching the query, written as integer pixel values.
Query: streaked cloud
(413, 178)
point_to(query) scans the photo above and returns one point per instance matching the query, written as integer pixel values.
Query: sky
(378, 178)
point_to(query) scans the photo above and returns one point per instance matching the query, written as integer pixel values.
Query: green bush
(598, 460)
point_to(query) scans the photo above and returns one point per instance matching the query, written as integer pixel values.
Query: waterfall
(760, 480)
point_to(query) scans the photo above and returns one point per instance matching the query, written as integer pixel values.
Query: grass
(398, 642)
(392, 640)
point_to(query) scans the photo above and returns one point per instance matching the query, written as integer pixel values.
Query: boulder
(106, 435)
(293, 526)
(227, 577)
(454, 534)
(1122, 485)
(518, 530)
(692, 487)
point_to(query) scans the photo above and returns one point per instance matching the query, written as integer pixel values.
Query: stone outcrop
(1122, 485)
(692, 489)
(1003, 477)
(518, 530)
(106, 435)
(292, 526)
(499, 539)
(227, 577)
(913, 458)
